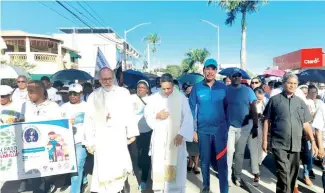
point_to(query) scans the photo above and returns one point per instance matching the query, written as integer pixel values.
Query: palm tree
(233, 8)
(193, 57)
(153, 39)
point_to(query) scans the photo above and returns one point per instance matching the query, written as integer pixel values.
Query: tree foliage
(193, 57)
(174, 70)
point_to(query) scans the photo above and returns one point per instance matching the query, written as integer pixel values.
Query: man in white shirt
(74, 110)
(52, 96)
(169, 115)
(39, 108)
(20, 95)
(110, 126)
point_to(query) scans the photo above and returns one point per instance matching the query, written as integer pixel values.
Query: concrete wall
(87, 45)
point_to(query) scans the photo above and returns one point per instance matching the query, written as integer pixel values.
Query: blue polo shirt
(208, 105)
(238, 100)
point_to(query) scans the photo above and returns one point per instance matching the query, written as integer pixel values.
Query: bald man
(110, 126)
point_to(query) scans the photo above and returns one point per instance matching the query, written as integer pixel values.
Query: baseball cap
(211, 62)
(46, 78)
(5, 90)
(64, 89)
(75, 88)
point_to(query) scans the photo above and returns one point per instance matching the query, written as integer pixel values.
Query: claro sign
(311, 57)
(304, 58)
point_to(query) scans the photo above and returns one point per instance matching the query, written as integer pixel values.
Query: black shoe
(189, 169)
(312, 174)
(23, 186)
(84, 187)
(196, 171)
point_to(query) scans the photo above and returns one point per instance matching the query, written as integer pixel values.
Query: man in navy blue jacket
(207, 102)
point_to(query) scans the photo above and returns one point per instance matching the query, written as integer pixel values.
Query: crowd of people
(173, 129)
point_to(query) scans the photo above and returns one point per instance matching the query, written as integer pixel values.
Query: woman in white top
(139, 101)
(260, 106)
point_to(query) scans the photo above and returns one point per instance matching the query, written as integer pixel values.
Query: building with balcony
(88, 40)
(46, 53)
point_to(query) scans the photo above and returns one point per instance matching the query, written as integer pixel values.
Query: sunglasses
(74, 94)
(255, 82)
(236, 75)
(21, 81)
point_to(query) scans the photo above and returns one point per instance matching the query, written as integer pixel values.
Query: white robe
(155, 104)
(123, 126)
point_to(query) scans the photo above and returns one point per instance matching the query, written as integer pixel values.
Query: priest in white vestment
(169, 115)
(110, 126)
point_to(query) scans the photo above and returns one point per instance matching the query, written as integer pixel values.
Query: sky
(276, 29)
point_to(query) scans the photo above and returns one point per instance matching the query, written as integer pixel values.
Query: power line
(80, 13)
(56, 12)
(89, 13)
(75, 15)
(94, 12)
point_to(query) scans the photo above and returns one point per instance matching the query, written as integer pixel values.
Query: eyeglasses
(107, 79)
(74, 94)
(255, 82)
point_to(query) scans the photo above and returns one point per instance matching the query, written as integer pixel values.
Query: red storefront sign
(304, 58)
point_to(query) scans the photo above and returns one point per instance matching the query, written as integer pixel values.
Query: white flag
(101, 62)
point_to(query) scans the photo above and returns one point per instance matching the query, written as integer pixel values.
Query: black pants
(144, 160)
(287, 168)
(40, 185)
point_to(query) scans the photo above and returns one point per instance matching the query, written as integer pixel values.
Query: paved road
(194, 182)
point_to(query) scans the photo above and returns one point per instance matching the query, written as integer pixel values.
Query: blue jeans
(307, 157)
(323, 176)
(77, 178)
(207, 142)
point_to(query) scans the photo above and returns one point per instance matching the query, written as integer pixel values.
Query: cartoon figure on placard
(51, 152)
(59, 152)
(64, 148)
(53, 142)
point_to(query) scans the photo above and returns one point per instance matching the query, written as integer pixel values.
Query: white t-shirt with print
(11, 111)
(77, 112)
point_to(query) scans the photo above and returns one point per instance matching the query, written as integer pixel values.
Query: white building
(45, 52)
(223, 66)
(88, 40)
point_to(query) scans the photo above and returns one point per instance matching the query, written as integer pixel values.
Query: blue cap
(211, 62)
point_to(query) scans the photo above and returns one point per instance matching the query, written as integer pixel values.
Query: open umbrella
(71, 75)
(312, 75)
(9, 71)
(232, 70)
(132, 77)
(191, 78)
(274, 72)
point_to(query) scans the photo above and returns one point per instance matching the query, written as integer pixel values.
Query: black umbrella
(71, 75)
(312, 75)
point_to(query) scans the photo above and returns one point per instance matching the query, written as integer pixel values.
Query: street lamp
(217, 27)
(127, 31)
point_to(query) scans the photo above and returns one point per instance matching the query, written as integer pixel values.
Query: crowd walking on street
(173, 129)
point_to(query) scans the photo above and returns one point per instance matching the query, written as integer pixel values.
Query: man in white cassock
(168, 114)
(110, 126)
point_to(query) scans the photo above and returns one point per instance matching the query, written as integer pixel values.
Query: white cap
(5, 90)
(75, 88)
